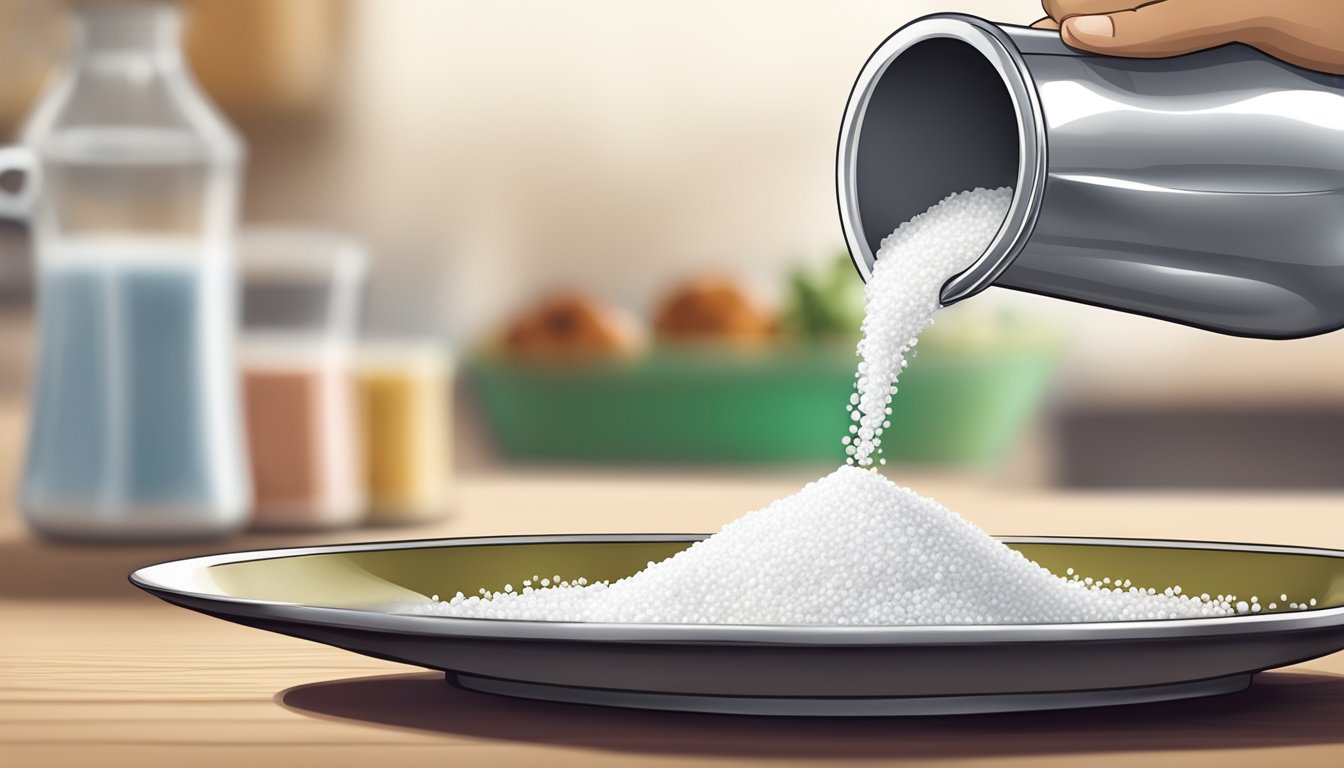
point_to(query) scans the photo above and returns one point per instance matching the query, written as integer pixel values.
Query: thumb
(1165, 28)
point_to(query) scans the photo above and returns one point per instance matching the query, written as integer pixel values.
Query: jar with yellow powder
(405, 389)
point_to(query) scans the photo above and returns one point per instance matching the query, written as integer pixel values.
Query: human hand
(1308, 33)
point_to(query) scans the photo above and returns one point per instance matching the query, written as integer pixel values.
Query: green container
(785, 404)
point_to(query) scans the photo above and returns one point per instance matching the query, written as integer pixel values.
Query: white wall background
(608, 144)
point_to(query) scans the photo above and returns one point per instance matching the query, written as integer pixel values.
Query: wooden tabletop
(95, 673)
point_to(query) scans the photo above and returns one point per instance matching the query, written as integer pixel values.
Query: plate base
(854, 707)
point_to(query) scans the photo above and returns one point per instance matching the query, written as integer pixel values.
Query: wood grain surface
(95, 673)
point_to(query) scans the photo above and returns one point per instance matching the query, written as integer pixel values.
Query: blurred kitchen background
(610, 229)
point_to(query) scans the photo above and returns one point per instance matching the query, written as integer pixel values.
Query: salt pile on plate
(854, 547)
(851, 548)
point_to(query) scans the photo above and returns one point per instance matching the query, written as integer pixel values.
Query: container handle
(19, 204)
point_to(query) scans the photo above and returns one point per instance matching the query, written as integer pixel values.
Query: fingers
(1168, 28)
(1307, 34)
(1060, 10)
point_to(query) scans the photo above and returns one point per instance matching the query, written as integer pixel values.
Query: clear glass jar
(132, 199)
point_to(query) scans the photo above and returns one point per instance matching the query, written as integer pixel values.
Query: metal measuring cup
(1205, 189)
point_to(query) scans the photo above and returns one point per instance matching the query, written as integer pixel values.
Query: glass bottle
(132, 199)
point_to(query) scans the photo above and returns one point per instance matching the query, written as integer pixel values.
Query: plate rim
(156, 579)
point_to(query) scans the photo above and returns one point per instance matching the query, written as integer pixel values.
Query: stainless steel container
(1206, 189)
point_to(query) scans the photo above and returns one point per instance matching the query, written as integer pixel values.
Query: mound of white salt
(851, 548)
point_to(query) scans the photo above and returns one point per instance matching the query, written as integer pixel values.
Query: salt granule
(854, 548)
